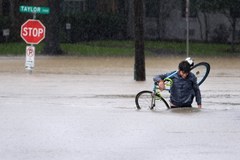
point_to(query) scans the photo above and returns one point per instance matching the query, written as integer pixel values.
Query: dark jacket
(182, 90)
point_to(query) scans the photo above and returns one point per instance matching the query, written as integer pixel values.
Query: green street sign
(34, 9)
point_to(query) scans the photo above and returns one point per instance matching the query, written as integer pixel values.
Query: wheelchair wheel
(201, 71)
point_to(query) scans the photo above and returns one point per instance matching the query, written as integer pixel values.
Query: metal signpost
(32, 32)
(187, 27)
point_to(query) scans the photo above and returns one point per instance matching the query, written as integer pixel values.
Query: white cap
(190, 61)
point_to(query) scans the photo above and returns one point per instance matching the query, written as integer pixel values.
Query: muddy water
(83, 108)
(110, 65)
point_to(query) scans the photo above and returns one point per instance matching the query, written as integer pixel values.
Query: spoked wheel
(201, 71)
(146, 100)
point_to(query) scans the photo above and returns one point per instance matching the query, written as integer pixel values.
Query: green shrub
(92, 26)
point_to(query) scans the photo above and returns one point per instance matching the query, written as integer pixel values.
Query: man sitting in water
(184, 87)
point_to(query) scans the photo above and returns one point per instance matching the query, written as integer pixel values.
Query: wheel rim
(144, 100)
(201, 71)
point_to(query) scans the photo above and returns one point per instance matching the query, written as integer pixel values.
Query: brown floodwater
(112, 65)
(73, 108)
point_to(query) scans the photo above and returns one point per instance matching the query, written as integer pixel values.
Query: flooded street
(73, 108)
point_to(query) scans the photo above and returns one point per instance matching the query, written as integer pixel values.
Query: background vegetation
(106, 27)
(124, 48)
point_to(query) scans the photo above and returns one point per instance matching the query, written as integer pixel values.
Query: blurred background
(87, 22)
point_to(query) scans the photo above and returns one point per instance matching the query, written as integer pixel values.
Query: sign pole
(32, 32)
(187, 27)
(30, 54)
(34, 15)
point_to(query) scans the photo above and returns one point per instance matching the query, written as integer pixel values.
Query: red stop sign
(32, 31)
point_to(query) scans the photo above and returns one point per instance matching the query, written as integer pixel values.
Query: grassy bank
(124, 48)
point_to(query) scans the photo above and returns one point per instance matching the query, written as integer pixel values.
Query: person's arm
(160, 79)
(197, 92)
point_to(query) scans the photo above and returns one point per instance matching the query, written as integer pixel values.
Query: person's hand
(161, 85)
(199, 106)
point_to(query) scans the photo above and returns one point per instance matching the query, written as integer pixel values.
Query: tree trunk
(13, 19)
(11, 13)
(233, 34)
(200, 26)
(139, 67)
(130, 22)
(52, 39)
